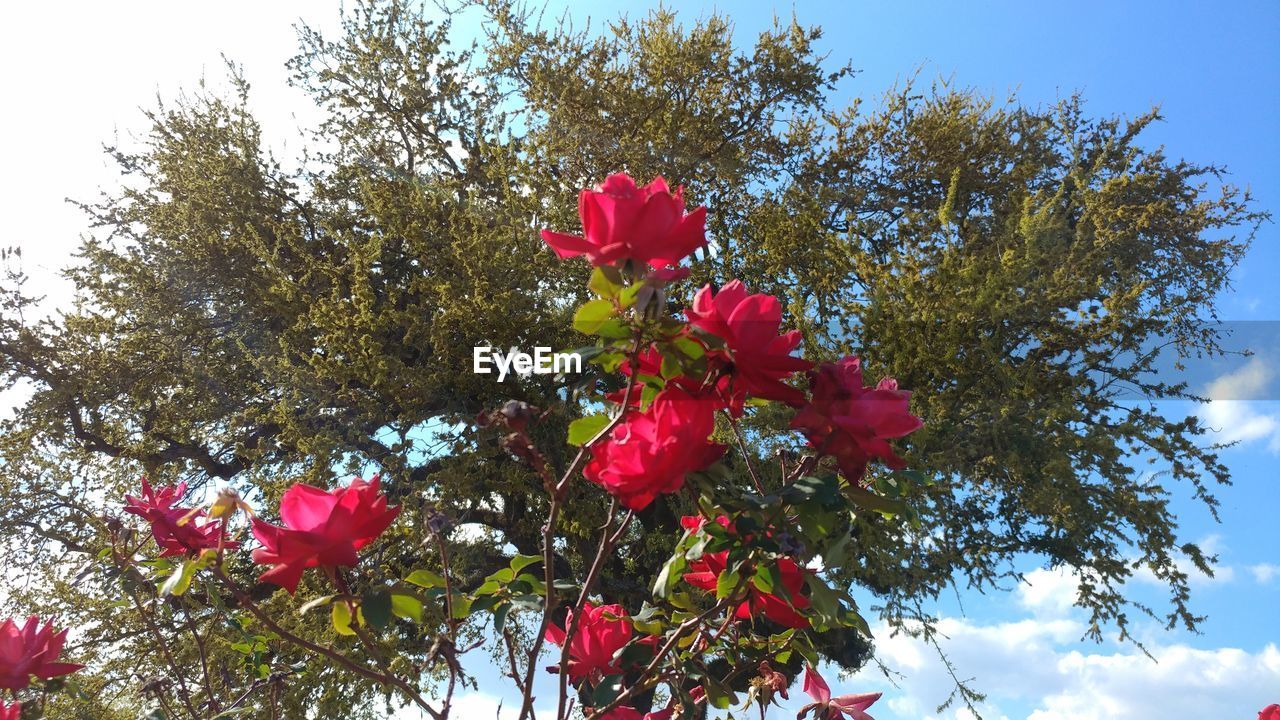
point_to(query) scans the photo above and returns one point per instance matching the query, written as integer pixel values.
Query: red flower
(594, 641)
(11, 712)
(758, 358)
(852, 706)
(321, 529)
(29, 650)
(177, 530)
(1270, 712)
(650, 452)
(621, 221)
(707, 570)
(854, 423)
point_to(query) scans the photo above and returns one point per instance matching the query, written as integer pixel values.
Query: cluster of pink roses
(603, 631)
(652, 450)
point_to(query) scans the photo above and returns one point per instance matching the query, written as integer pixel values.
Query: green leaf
(670, 367)
(837, 553)
(613, 329)
(461, 607)
(689, 347)
(763, 579)
(592, 315)
(627, 297)
(526, 603)
(340, 615)
(719, 696)
(489, 588)
(520, 562)
(180, 581)
(500, 617)
(670, 573)
(605, 281)
(583, 429)
(610, 687)
(871, 501)
(823, 489)
(485, 603)
(425, 579)
(726, 584)
(406, 607)
(535, 584)
(376, 606)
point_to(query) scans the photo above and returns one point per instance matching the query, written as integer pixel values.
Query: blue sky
(1214, 69)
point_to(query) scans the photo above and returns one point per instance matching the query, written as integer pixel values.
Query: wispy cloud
(1233, 412)
(1035, 669)
(1264, 573)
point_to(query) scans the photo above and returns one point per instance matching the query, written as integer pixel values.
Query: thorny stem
(452, 622)
(382, 678)
(558, 489)
(746, 457)
(608, 537)
(214, 705)
(185, 693)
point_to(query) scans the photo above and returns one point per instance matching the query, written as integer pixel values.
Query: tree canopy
(253, 320)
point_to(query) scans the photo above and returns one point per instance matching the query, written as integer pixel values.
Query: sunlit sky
(76, 74)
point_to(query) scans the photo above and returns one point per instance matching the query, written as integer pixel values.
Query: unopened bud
(227, 502)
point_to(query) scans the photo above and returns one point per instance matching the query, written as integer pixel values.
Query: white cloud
(1234, 411)
(1264, 573)
(1039, 667)
(1181, 682)
(1034, 669)
(1048, 591)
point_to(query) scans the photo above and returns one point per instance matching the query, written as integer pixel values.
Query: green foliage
(243, 322)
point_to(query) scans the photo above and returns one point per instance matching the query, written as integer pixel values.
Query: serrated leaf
(605, 281)
(583, 429)
(340, 616)
(526, 603)
(689, 347)
(726, 584)
(610, 688)
(670, 573)
(591, 315)
(500, 617)
(763, 579)
(837, 554)
(461, 607)
(871, 501)
(627, 297)
(406, 607)
(485, 603)
(425, 579)
(613, 329)
(520, 562)
(180, 581)
(376, 607)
